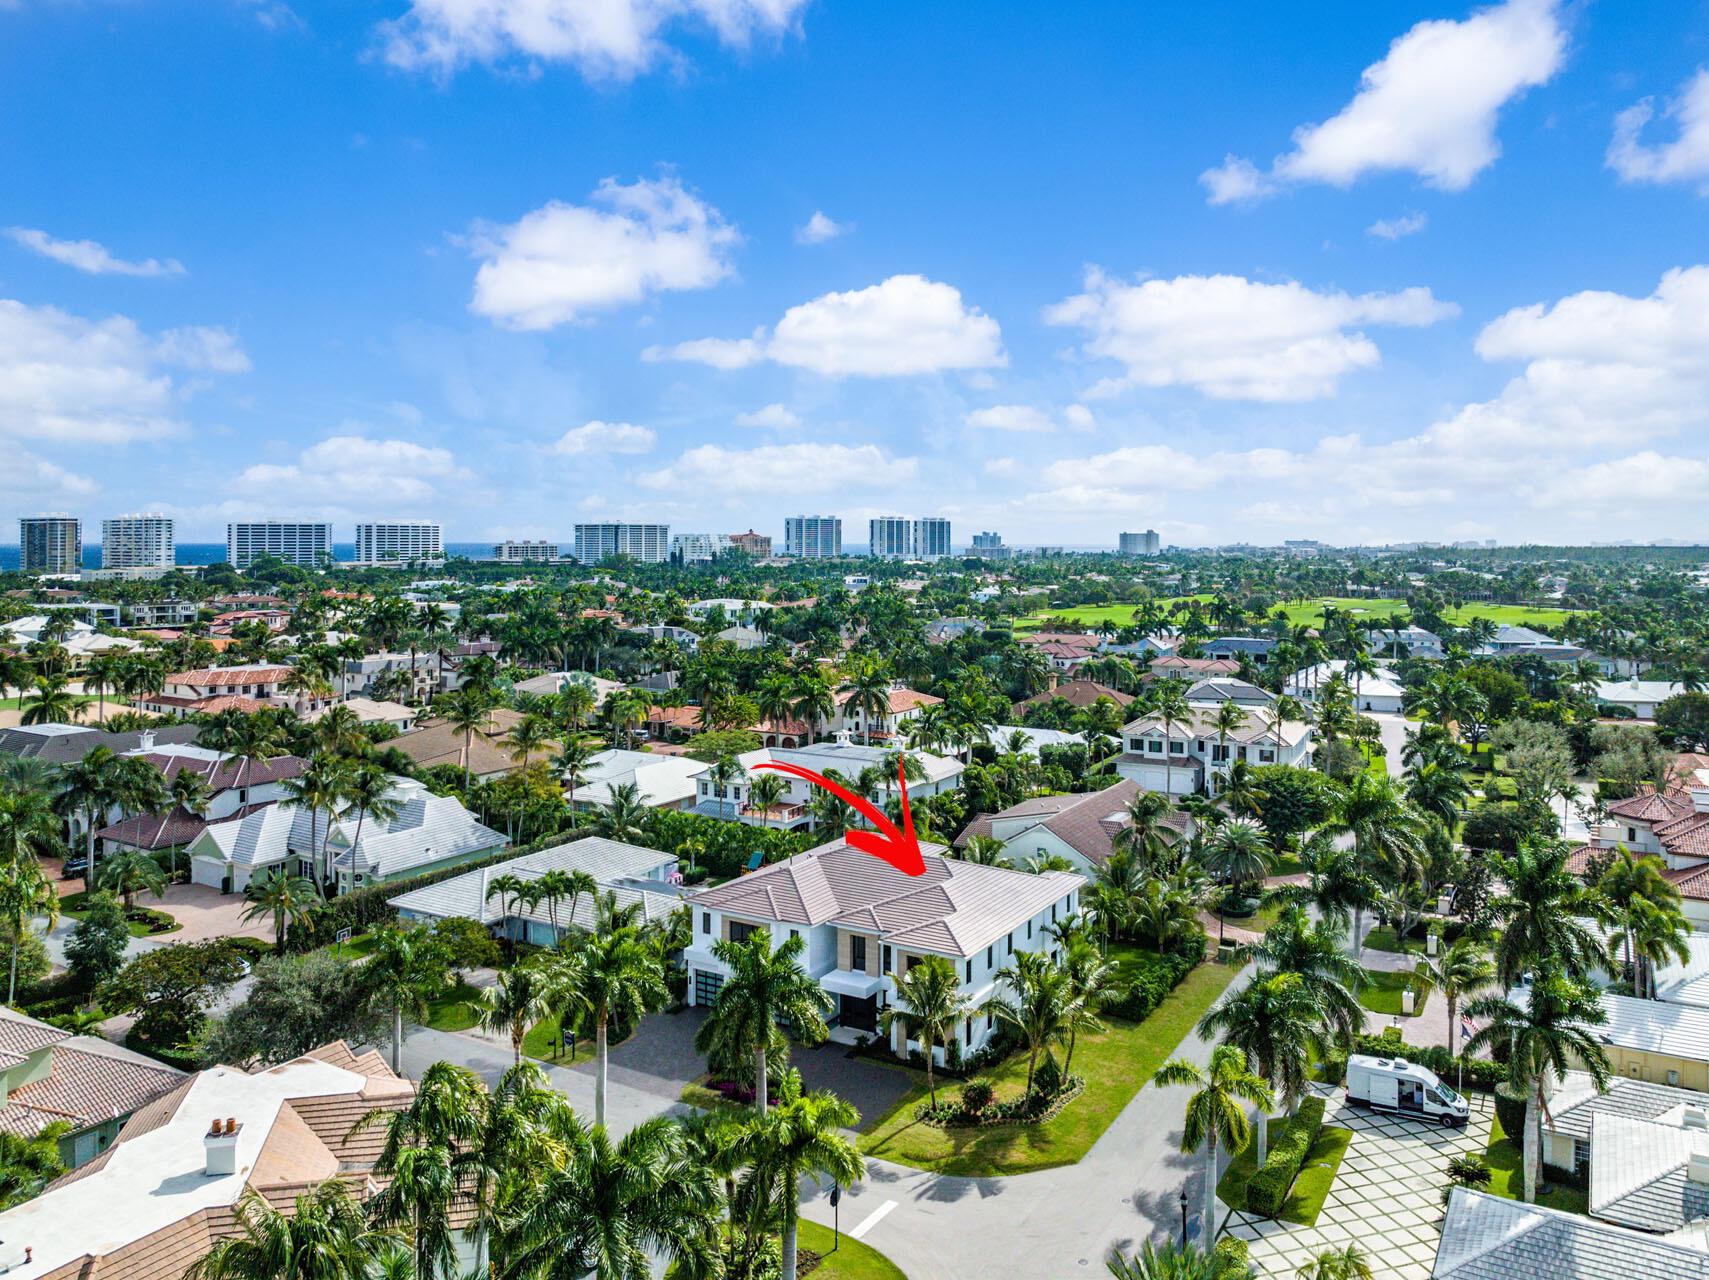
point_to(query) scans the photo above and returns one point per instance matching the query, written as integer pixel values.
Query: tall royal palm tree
(1552, 1032)
(531, 733)
(572, 764)
(102, 782)
(1311, 950)
(929, 1008)
(1278, 1024)
(1237, 853)
(321, 788)
(610, 975)
(1387, 835)
(1170, 707)
(1463, 969)
(408, 968)
(766, 991)
(1543, 915)
(1230, 717)
(1216, 1117)
(468, 713)
(623, 817)
(867, 691)
(801, 1138)
(25, 892)
(1627, 881)
(512, 1005)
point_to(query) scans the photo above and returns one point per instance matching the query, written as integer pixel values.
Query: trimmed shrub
(1232, 1257)
(1269, 1187)
(1476, 1073)
(1510, 1110)
(976, 1095)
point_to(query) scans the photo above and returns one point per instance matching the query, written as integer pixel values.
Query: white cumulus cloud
(347, 472)
(1685, 158)
(782, 468)
(1233, 338)
(33, 478)
(777, 417)
(1011, 417)
(819, 229)
(90, 257)
(904, 325)
(1408, 224)
(564, 261)
(1429, 107)
(79, 381)
(605, 437)
(603, 39)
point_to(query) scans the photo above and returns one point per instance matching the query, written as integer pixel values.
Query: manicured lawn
(852, 1259)
(71, 907)
(1383, 938)
(1507, 1175)
(1311, 1187)
(359, 946)
(1258, 922)
(453, 1011)
(539, 1041)
(1376, 612)
(1115, 1063)
(1381, 993)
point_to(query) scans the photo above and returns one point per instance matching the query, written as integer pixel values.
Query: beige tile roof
(434, 742)
(88, 1083)
(954, 908)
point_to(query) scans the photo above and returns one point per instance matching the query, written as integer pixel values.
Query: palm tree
(325, 1235)
(1349, 1262)
(467, 712)
(766, 792)
(766, 991)
(510, 890)
(801, 1138)
(1387, 835)
(1169, 705)
(814, 703)
(615, 975)
(1552, 1033)
(50, 702)
(1278, 1024)
(601, 1210)
(528, 735)
(1628, 880)
(130, 871)
(1463, 969)
(572, 763)
(101, 675)
(289, 899)
(25, 893)
(420, 1193)
(320, 788)
(1172, 1261)
(1312, 952)
(929, 1007)
(1036, 1006)
(722, 772)
(1092, 981)
(1145, 834)
(408, 968)
(868, 690)
(1230, 718)
(1237, 853)
(1542, 915)
(513, 1004)
(27, 1165)
(986, 851)
(623, 817)
(1658, 935)
(1215, 1116)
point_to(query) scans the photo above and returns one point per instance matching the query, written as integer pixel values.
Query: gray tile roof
(1638, 1173)
(1576, 1103)
(955, 908)
(1487, 1238)
(1086, 822)
(67, 744)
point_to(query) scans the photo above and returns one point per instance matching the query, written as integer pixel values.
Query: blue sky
(1398, 271)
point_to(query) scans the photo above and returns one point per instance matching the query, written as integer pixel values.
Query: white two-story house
(733, 800)
(863, 921)
(1188, 756)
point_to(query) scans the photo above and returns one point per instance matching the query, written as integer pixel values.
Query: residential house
(348, 850)
(1509, 638)
(1256, 649)
(1032, 740)
(1655, 1040)
(1576, 1105)
(213, 689)
(1083, 827)
(1216, 690)
(237, 787)
(633, 876)
(169, 1186)
(1377, 692)
(161, 613)
(79, 646)
(863, 921)
(1188, 756)
(1407, 642)
(277, 621)
(373, 711)
(555, 682)
(1192, 669)
(50, 1076)
(69, 743)
(1637, 698)
(1487, 1237)
(1672, 823)
(663, 781)
(1078, 693)
(413, 675)
(733, 802)
(904, 705)
(1648, 1175)
(736, 610)
(943, 630)
(485, 753)
(742, 638)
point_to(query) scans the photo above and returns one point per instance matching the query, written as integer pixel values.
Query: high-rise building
(511, 551)
(990, 545)
(1140, 544)
(50, 544)
(646, 542)
(400, 541)
(137, 542)
(813, 537)
(693, 548)
(890, 537)
(755, 545)
(302, 542)
(931, 538)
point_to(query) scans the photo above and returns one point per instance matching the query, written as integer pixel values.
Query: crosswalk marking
(872, 1219)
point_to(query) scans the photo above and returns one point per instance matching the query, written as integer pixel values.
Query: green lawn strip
(1375, 612)
(1381, 992)
(1383, 938)
(1258, 922)
(71, 908)
(1507, 1175)
(852, 1259)
(540, 1044)
(1116, 1064)
(453, 1011)
(1316, 1176)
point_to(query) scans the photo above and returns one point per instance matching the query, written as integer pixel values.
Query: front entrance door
(858, 1013)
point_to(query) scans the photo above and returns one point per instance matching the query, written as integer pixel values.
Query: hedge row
(1478, 1073)
(1269, 1187)
(1149, 988)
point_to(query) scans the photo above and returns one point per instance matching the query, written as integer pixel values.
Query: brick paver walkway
(1387, 1196)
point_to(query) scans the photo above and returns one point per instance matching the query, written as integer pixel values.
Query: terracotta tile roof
(1196, 666)
(1081, 693)
(232, 771)
(900, 700)
(1078, 639)
(1650, 805)
(231, 677)
(89, 1082)
(674, 717)
(22, 1035)
(434, 742)
(1687, 836)
(169, 830)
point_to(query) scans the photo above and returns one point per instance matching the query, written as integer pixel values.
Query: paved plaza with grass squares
(1387, 1197)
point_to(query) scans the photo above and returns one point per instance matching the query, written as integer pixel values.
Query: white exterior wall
(400, 540)
(137, 542)
(303, 543)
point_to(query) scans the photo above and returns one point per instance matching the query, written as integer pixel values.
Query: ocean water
(214, 552)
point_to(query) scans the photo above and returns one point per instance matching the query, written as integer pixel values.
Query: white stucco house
(942, 773)
(863, 921)
(1640, 697)
(1188, 756)
(1378, 692)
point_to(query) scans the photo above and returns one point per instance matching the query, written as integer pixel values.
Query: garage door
(707, 986)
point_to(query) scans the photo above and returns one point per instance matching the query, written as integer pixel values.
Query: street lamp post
(1183, 1217)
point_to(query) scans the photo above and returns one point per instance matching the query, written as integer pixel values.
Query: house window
(1631, 834)
(1266, 755)
(1011, 944)
(988, 1022)
(989, 955)
(1154, 746)
(1029, 930)
(1177, 748)
(969, 971)
(706, 922)
(795, 933)
(969, 1036)
(740, 932)
(887, 957)
(1053, 913)
(857, 954)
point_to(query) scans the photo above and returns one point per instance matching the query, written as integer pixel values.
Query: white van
(1394, 1084)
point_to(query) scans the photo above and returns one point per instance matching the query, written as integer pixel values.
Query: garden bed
(1382, 992)
(142, 921)
(949, 1115)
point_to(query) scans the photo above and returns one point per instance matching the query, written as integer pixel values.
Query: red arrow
(901, 849)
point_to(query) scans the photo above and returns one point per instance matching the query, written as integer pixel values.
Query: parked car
(1394, 1084)
(75, 867)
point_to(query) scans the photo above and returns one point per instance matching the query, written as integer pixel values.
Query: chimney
(220, 1143)
(146, 741)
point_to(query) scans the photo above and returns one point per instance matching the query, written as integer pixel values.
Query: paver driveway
(1387, 1197)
